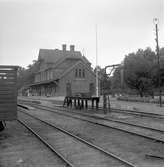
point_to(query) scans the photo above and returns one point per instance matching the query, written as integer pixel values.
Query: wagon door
(8, 92)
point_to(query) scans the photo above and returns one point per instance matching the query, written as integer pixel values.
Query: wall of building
(44, 75)
(78, 84)
(67, 63)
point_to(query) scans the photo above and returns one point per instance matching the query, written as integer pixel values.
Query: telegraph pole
(97, 80)
(158, 56)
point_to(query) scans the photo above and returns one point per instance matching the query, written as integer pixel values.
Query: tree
(116, 78)
(139, 68)
(26, 76)
(162, 65)
(21, 77)
(140, 72)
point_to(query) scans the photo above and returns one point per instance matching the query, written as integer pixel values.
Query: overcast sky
(123, 26)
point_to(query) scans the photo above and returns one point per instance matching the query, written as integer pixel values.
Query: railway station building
(63, 73)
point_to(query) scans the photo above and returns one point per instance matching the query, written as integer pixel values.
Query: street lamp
(155, 20)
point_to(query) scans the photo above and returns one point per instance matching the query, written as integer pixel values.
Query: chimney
(72, 48)
(64, 47)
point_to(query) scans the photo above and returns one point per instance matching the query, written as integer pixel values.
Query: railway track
(135, 129)
(132, 112)
(137, 113)
(66, 162)
(133, 148)
(122, 111)
(20, 148)
(76, 150)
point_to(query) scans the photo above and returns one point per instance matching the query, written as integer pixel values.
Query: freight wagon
(8, 94)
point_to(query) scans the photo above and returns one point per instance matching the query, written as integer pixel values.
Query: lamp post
(155, 20)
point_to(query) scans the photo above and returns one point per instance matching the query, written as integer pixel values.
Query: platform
(141, 107)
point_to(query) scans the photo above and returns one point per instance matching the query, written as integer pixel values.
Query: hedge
(139, 99)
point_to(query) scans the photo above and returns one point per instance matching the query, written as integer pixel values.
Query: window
(76, 73)
(44, 75)
(51, 74)
(83, 73)
(79, 73)
(41, 76)
(48, 74)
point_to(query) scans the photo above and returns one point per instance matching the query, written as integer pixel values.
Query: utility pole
(97, 80)
(158, 56)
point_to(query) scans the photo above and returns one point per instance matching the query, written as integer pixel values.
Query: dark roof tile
(56, 55)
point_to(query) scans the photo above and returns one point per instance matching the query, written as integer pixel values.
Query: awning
(44, 83)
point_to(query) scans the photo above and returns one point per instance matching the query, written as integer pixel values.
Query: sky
(123, 26)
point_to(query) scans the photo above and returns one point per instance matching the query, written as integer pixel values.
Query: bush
(139, 99)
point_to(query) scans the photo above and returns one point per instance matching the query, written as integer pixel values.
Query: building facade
(63, 73)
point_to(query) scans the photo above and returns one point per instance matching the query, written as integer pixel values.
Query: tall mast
(97, 84)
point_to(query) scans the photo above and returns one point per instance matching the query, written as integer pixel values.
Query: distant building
(63, 72)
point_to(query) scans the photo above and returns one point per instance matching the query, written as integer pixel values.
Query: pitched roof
(77, 64)
(50, 55)
(54, 55)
